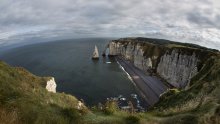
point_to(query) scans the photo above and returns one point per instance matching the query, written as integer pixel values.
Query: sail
(95, 53)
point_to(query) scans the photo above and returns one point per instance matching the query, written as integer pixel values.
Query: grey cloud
(85, 18)
(200, 19)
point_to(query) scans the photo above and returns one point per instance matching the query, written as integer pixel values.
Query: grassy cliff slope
(200, 102)
(24, 99)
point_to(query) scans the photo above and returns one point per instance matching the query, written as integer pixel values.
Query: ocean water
(69, 61)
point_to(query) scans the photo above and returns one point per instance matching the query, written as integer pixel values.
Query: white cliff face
(138, 57)
(113, 49)
(131, 52)
(177, 68)
(51, 85)
(140, 61)
(116, 49)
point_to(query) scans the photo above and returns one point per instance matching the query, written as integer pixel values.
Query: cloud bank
(194, 21)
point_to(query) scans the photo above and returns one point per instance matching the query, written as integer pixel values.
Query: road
(150, 86)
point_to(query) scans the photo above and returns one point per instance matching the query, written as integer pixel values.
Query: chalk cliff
(177, 63)
(51, 85)
(177, 68)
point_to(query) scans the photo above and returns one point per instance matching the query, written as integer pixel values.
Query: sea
(69, 62)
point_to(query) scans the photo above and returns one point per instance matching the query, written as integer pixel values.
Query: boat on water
(95, 53)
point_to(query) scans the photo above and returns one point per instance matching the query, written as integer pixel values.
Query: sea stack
(95, 53)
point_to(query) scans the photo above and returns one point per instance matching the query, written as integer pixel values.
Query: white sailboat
(95, 53)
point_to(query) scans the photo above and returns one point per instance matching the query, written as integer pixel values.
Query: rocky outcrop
(176, 66)
(95, 54)
(51, 85)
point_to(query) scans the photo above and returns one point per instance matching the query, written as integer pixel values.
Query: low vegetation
(24, 100)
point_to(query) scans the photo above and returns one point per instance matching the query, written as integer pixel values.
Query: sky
(193, 21)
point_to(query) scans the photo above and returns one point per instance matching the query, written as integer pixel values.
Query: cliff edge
(175, 62)
(192, 70)
(26, 98)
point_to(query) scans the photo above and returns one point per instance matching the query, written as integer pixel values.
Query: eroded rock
(51, 85)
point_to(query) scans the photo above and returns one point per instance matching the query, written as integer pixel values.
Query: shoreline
(133, 82)
(145, 84)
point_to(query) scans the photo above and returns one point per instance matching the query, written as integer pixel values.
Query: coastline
(145, 84)
(133, 82)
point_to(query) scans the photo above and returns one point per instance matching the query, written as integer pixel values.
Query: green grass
(25, 94)
(24, 99)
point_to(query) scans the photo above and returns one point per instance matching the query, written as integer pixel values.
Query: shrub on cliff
(111, 107)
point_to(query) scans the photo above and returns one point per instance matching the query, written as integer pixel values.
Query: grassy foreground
(24, 100)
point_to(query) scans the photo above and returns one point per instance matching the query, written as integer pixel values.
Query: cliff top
(165, 43)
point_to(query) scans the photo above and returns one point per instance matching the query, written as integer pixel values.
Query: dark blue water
(69, 61)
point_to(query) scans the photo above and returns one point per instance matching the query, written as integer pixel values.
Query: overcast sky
(195, 21)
